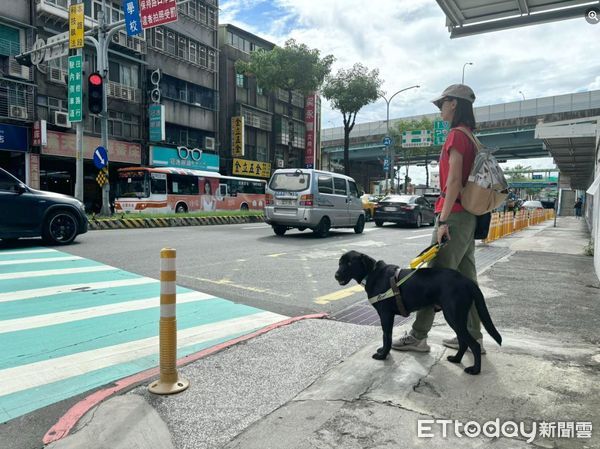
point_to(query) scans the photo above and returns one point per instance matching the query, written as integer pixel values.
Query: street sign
(76, 18)
(154, 13)
(386, 164)
(37, 57)
(75, 89)
(237, 136)
(133, 21)
(100, 158)
(156, 116)
(102, 177)
(418, 138)
(58, 50)
(387, 141)
(440, 131)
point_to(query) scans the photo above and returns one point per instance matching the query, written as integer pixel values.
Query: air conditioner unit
(56, 75)
(125, 93)
(209, 143)
(17, 70)
(61, 119)
(18, 112)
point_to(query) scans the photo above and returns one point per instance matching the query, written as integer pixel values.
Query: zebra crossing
(70, 324)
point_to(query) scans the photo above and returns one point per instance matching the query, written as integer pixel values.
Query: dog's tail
(484, 315)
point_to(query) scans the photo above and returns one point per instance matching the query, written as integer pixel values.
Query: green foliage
(517, 173)
(292, 67)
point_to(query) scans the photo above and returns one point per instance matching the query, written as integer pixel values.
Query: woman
(208, 200)
(454, 223)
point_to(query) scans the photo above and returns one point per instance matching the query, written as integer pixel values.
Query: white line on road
(51, 319)
(49, 259)
(257, 227)
(33, 274)
(29, 251)
(36, 374)
(418, 236)
(61, 289)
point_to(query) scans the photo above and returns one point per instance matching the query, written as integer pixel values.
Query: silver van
(314, 199)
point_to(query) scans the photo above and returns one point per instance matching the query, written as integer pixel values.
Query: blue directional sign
(387, 141)
(133, 21)
(100, 158)
(386, 164)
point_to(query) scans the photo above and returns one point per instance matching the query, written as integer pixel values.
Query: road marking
(49, 259)
(230, 283)
(52, 319)
(54, 370)
(418, 236)
(32, 274)
(336, 296)
(29, 251)
(257, 227)
(48, 291)
(276, 254)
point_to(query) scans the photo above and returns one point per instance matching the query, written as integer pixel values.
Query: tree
(294, 67)
(409, 154)
(348, 91)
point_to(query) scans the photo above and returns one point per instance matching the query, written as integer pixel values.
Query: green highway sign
(418, 138)
(440, 131)
(75, 89)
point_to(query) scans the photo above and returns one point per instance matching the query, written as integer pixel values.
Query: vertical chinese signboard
(237, 136)
(133, 21)
(157, 12)
(156, 116)
(75, 90)
(310, 121)
(76, 25)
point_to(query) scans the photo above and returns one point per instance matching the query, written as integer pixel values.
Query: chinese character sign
(251, 168)
(76, 26)
(310, 122)
(157, 12)
(156, 116)
(133, 22)
(74, 85)
(237, 136)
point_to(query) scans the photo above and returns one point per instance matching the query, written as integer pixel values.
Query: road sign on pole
(440, 131)
(75, 90)
(387, 141)
(133, 21)
(76, 18)
(418, 138)
(155, 13)
(100, 158)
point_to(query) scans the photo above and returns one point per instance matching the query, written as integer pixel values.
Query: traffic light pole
(79, 153)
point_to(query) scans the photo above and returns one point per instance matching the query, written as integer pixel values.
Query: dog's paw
(472, 370)
(454, 359)
(379, 356)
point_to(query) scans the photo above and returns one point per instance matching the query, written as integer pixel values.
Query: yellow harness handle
(426, 255)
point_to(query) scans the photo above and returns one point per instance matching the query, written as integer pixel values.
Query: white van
(315, 199)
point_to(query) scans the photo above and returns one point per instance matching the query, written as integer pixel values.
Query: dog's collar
(364, 281)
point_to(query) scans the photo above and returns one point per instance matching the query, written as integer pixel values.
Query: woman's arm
(453, 188)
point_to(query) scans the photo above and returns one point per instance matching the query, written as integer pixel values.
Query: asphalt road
(247, 263)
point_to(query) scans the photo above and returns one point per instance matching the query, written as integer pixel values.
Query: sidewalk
(313, 384)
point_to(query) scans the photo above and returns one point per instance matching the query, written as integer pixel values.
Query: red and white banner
(157, 12)
(310, 122)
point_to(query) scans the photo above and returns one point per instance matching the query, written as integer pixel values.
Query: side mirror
(21, 188)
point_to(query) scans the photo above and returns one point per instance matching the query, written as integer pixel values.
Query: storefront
(57, 166)
(13, 147)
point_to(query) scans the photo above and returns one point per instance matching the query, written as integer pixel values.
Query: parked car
(404, 209)
(369, 203)
(27, 212)
(532, 204)
(312, 199)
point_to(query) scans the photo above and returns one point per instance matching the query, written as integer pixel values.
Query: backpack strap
(470, 135)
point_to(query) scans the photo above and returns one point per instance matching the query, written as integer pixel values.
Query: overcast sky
(408, 42)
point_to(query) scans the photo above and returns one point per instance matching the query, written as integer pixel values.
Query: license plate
(285, 202)
(390, 209)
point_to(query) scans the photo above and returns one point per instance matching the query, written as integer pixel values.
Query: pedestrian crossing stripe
(74, 324)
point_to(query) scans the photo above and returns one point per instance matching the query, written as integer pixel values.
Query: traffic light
(95, 93)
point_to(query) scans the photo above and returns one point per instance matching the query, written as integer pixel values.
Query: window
(159, 38)
(7, 183)
(202, 59)
(193, 52)
(325, 184)
(182, 48)
(212, 19)
(157, 186)
(211, 60)
(192, 9)
(9, 41)
(202, 14)
(339, 186)
(183, 185)
(259, 90)
(353, 189)
(171, 42)
(240, 80)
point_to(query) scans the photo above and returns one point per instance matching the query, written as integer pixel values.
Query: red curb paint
(66, 423)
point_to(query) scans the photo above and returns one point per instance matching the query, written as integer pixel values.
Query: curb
(141, 223)
(66, 423)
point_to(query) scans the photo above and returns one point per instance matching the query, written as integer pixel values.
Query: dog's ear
(368, 262)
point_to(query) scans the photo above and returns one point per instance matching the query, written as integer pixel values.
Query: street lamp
(463, 77)
(523, 95)
(387, 122)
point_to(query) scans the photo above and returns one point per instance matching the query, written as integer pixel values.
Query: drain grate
(364, 314)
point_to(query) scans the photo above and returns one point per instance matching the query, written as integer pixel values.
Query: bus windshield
(133, 184)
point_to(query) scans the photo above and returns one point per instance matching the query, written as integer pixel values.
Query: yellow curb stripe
(336, 296)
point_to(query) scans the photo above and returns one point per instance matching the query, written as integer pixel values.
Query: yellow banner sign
(237, 136)
(243, 167)
(76, 18)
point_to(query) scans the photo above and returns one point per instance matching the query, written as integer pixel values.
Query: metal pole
(79, 153)
(556, 201)
(102, 67)
(387, 133)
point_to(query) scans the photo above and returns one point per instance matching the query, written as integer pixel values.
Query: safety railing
(506, 223)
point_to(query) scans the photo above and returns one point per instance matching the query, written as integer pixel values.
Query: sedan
(27, 212)
(404, 209)
(532, 205)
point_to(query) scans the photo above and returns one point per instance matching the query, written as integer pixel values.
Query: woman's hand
(443, 233)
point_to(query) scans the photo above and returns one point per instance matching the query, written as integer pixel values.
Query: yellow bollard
(169, 381)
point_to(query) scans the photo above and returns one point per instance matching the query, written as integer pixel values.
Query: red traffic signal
(95, 93)
(95, 79)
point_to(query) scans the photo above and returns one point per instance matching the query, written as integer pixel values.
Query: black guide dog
(442, 287)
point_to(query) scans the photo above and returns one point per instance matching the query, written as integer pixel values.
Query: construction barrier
(169, 381)
(506, 223)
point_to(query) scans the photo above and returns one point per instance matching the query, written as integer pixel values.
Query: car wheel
(419, 221)
(360, 225)
(322, 229)
(279, 229)
(60, 228)
(378, 223)
(181, 208)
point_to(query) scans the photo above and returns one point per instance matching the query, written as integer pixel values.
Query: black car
(404, 209)
(32, 213)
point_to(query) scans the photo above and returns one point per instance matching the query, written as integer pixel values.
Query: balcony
(125, 93)
(16, 100)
